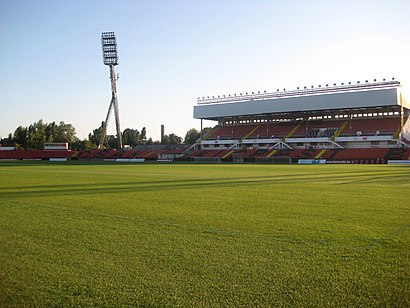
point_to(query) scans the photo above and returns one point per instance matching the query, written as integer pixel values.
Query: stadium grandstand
(347, 123)
(354, 122)
(138, 154)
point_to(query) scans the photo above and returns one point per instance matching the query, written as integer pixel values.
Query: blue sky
(172, 52)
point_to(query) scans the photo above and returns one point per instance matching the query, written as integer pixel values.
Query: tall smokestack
(162, 132)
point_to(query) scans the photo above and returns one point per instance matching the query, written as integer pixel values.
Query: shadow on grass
(389, 177)
(352, 242)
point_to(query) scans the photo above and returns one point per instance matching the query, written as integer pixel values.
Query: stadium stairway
(226, 154)
(397, 133)
(196, 153)
(129, 154)
(151, 155)
(329, 154)
(208, 153)
(320, 154)
(211, 132)
(272, 153)
(340, 130)
(251, 132)
(292, 131)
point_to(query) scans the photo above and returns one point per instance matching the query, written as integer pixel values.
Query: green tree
(84, 144)
(20, 136)
(95, 136)
(64, 133)
(171, 139)
(191, 136)
(9, 141)
(143, 135)
(36, 136)
(38, 133)
(112, 142)
(206, 130)
(131, 137)
(51, 132)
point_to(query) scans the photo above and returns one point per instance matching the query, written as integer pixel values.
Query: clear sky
(173, 51)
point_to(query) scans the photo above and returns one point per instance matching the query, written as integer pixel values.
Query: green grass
(204, 235)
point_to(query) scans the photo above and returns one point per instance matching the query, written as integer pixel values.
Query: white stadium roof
(360, 96)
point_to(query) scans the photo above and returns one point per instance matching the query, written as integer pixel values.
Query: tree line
(35, 135)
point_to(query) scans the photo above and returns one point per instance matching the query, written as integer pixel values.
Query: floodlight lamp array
(343, 87)
(109, 48)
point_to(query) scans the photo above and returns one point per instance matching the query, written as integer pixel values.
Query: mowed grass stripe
(241, 271)
(386, 177)
(198, 229)
(204, 235)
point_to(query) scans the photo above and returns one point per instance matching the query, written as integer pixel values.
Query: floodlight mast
(110, 57)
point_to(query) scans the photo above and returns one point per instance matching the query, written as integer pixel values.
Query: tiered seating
(211, 153)
(398, 154)
(406, 154)
(258, 153)
(278, 130)
(361, 153)
(240, 131)
(322, 132)
(222, 132)
(128, 154)
(84, 154)
(35, 154)
(328, 154)
(357, 155)
(58, 154)
(146, 154)
(264, 130)
(304, 153)
(249, 153)
(90, 155)
(370, 127)
(197, 153)
(156, 153)
(115, 154)
(225, 154)
(300, 131)
(268, 130)
(178, 151)
(318, 129)
(296, 153)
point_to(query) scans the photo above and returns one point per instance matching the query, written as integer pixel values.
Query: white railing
(298, 92)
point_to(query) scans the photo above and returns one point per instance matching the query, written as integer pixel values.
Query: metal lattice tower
(110, 56)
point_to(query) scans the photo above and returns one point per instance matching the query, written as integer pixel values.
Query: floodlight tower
(110, 56)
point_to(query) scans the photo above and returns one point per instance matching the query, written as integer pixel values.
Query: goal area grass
(193, 235)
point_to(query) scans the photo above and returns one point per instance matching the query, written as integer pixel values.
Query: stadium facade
(347, 123)
(316, 122)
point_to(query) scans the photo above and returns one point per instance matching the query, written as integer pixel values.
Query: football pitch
(193, 235)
